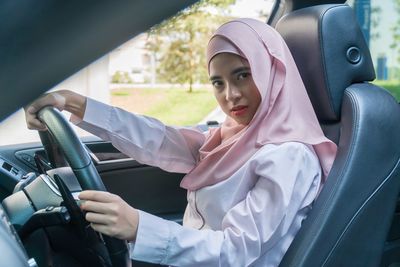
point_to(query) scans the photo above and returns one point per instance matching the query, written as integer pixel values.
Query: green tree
(375, 21)
(396, 31)
(178, 44)
(121, 77)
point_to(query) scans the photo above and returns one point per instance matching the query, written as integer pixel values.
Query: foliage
(392, 86)
(121, 77)
(179, 43)
(375, 20)
(394, 73)
(396, 31)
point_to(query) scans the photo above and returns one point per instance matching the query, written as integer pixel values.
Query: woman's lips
(239, 110)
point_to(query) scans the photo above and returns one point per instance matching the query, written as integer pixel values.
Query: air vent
(7, 166)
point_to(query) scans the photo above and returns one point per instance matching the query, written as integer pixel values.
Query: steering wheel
(84, 170)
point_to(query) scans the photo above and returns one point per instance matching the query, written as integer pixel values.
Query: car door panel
(144, 187)
(149, 189)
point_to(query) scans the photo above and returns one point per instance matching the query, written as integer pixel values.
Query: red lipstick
(239, 110)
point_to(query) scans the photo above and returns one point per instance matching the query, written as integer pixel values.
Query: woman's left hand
(109, 214)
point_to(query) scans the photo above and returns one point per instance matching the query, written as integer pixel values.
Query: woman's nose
(233, 93)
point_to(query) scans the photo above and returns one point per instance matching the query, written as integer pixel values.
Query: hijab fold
(285, 113)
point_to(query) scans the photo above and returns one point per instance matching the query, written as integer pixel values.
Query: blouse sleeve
(269, 216)
(145, 139)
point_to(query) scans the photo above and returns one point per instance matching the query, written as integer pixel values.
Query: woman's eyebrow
(239, 70)
(214, 77)
(233, 72)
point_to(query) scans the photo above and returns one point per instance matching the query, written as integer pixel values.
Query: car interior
(354, 220)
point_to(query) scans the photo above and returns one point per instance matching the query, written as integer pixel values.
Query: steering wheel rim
(84, 170)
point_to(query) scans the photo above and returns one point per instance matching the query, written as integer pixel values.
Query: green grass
(174, 106)
(121, 93)
(393, 86)
(180, 107)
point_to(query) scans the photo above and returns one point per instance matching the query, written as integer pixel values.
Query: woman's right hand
(62, 100)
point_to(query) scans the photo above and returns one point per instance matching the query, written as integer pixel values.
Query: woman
(250, 182)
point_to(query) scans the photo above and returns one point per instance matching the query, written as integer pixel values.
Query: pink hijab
(285, 113)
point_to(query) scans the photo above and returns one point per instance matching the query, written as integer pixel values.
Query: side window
(161, 73)
(380, 22)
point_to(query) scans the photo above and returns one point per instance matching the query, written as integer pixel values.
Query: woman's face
(234, 87)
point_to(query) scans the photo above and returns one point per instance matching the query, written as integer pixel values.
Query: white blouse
(249, 219)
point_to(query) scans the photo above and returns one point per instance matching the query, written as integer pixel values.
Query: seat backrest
(350, 219)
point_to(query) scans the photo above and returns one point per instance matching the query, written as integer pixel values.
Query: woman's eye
(217, 84)
(243, 75)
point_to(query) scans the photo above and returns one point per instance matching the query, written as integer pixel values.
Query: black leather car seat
(351, 218)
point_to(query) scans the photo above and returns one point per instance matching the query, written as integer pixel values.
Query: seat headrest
(330, 52)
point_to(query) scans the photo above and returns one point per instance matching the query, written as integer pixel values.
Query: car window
(380, 22)
(160, 73)
(140, 75)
